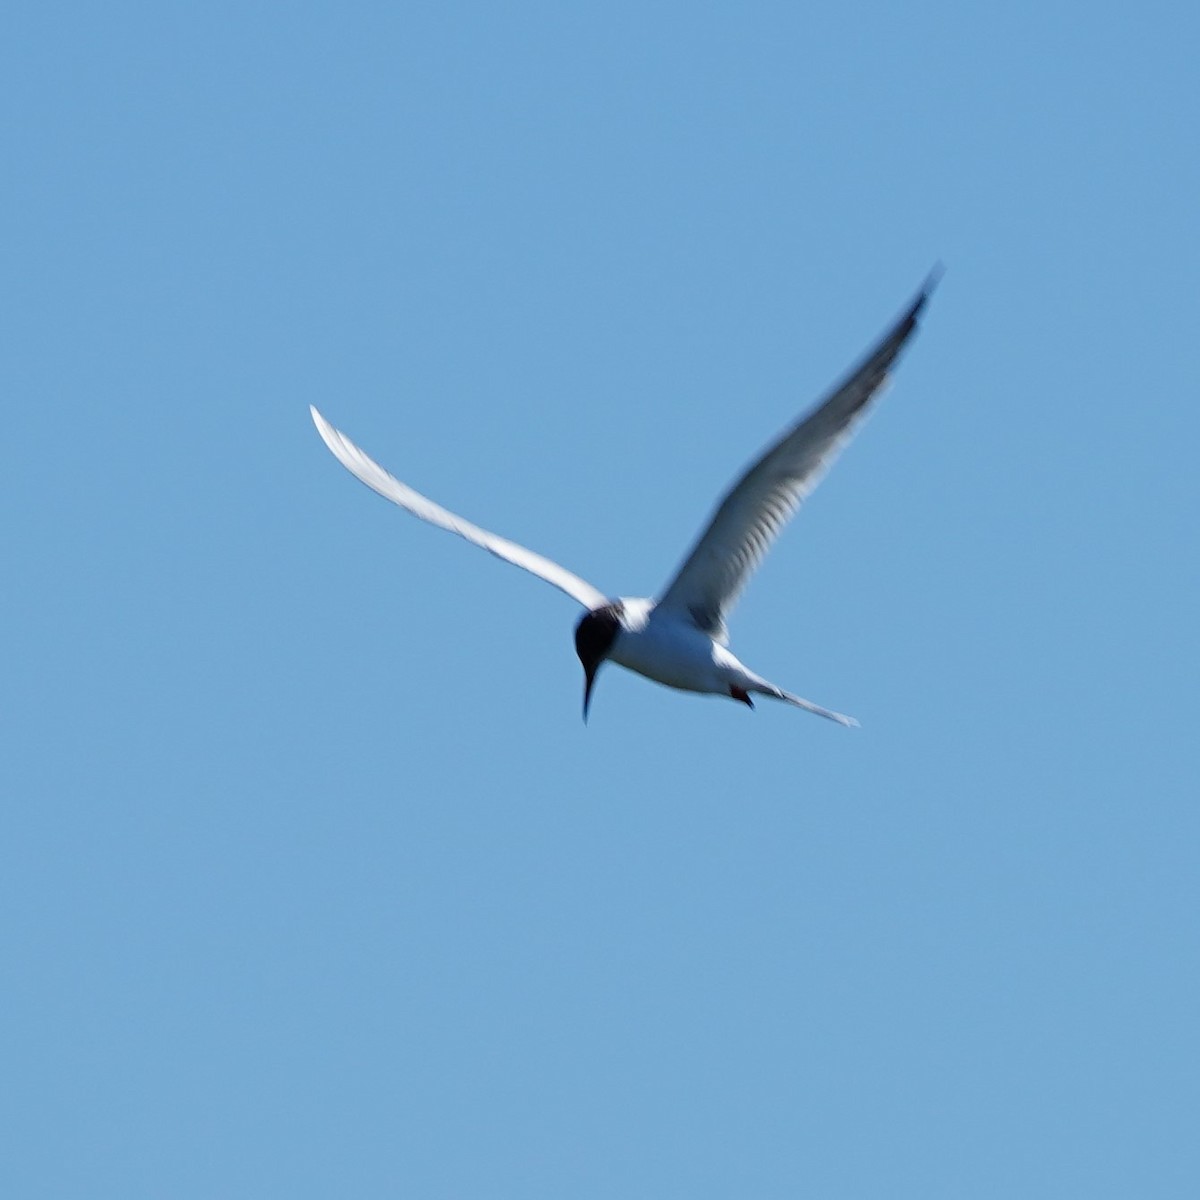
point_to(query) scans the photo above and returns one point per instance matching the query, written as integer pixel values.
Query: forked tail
(776, 693)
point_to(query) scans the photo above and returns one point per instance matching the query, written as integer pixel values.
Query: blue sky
(313, 882)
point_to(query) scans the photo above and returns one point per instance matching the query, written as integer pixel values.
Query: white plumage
(681, 640)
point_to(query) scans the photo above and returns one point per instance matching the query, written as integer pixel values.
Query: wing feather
(377, 479)
(757, 507)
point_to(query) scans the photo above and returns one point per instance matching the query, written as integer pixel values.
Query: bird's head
(594, 638)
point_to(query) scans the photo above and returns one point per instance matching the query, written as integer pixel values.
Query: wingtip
(929, 286)
(909, 320)
(329, 435)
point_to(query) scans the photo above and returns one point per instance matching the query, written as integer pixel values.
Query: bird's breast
(671, 653)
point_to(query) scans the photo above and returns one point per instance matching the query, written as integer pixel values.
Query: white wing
(750, 517)
(376, 478)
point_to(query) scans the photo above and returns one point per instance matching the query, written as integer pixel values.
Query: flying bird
(681, 639)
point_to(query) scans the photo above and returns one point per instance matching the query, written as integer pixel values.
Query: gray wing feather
(754, 511)
(377, 479)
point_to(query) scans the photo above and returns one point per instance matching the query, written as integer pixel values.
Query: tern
(681, 639)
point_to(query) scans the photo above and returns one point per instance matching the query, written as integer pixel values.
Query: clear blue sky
(313, 883)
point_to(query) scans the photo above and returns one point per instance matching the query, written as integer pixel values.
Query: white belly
(676, 655)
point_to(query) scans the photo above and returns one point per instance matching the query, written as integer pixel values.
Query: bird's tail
(769, 689)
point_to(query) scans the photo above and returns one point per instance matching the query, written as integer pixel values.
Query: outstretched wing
(376, 478)
(755, 510)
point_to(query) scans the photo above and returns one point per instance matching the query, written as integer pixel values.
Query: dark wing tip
(908, 322)
(927, 289)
